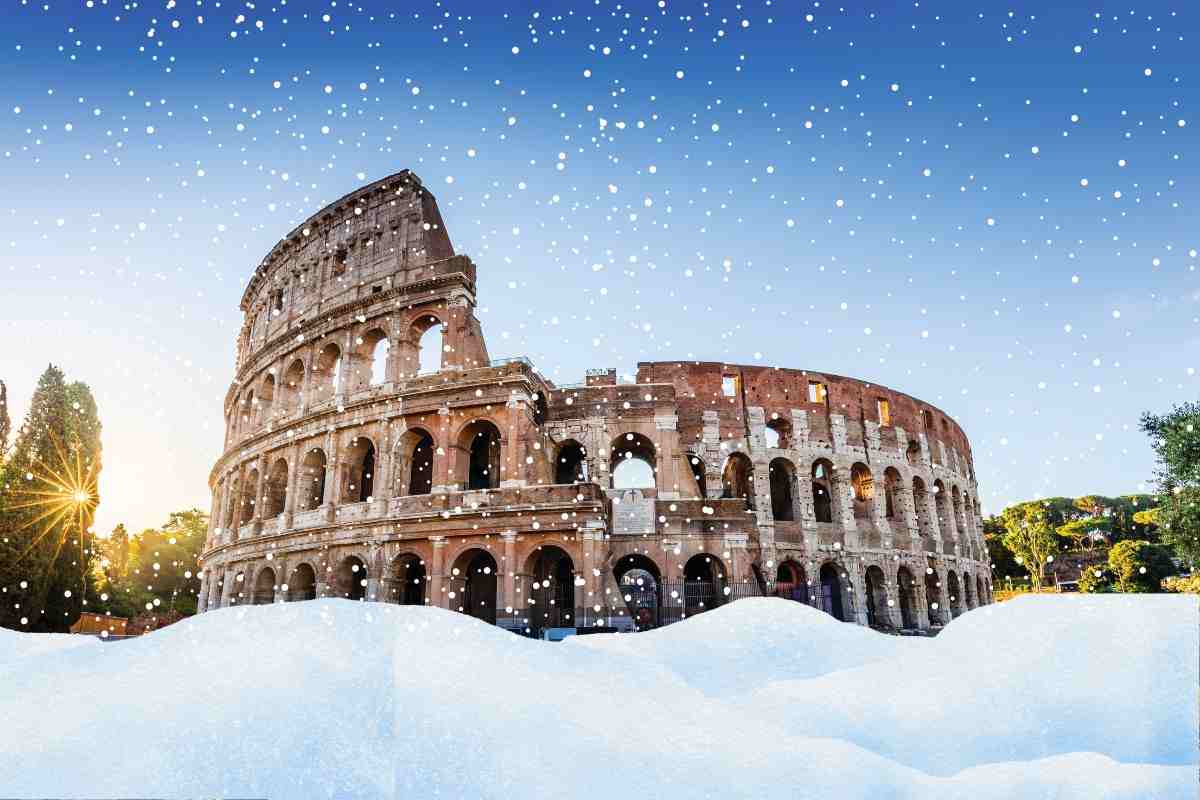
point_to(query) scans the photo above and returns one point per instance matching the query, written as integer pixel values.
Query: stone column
(280, 580)
(332, 489)
(920, 600)
(437, 570)
(202, 599)
(858, 596)
(508, 584)
(443, 454)
(892, 584)
(512, 457)
(227, 587)
(666, 446)
(374, 575)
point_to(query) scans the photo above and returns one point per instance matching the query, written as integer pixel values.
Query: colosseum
(373, 450)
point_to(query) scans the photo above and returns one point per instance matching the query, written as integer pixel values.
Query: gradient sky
(894, 192)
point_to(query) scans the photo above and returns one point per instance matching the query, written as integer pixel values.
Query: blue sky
(893, 192)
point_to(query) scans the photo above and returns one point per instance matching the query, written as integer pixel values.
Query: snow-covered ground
(1063, 697)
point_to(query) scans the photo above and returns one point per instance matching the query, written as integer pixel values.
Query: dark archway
(831, 591)
(791, 582)
(551, 591)
(696, 464)
(878, 614)
(822, 488)
(473, 578)
(264, 587)
(704, 583)
(737, 479)
(906, 588)
(479, 455)
(933, 596)
(275, 492)
(571, 465)
(640, 582)
(312, 480)
(968, 592)
(414, 464)
(408, 580)
(783, 478)
(956, 607)
(303, 584)
(360, 476)
(350, 579)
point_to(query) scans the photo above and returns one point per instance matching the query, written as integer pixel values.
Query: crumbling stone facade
(350, 469)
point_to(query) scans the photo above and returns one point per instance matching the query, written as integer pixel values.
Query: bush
(1139, 566)
(1183, 583)
(1097, 579)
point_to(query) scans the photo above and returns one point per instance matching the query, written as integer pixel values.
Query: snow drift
(1066, 697)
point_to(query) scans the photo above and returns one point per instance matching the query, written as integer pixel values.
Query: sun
(63, 496)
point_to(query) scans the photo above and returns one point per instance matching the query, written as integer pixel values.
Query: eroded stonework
(480, 486)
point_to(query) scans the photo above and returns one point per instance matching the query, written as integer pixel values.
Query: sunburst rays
(62, 497)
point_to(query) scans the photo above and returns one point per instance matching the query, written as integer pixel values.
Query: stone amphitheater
(373, 450)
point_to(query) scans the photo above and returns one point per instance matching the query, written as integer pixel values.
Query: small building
(93, 624)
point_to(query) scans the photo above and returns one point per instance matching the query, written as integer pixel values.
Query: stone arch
(906, 590)
(893, 506)
(478, 455)
(862, 484)
(274, 496)
(326, 378)
(791, 582)
(956, 605)
(570, 464)
(240, 593)
(311, 481)
(473, 584)
(550, 594)
(302, 585)
(737, 478)
(249, 499)
(704, 581)
(968, 590)
(291, 388)
(371, 367)
(413, 463)
(264, 587)
(359, 484)
(921, 506)
(266, 400)
(778, 433)
(980, 594)
(633, 462)
(834, 596)
(956, 508)
(350, 579)
(878, 611)
(941, 502)
(246, 421)
(822, 489)
(640, 583)
(425, 347)
(235, 502)
(407, 581)
(933, 595)
(912, 453)
(783, 489)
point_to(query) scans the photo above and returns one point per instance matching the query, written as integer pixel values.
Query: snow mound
(1069, 697)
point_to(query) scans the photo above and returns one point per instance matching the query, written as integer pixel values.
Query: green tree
(1139, 566)
(1029, 535)
(1175, 437)
(47, 503)
(1004, 564)
(1097, 579)
(5, 421)
(1081, 532)
(153, 574)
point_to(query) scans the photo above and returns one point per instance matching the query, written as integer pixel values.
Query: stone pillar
(508, 585)
(443, 454)
(374, 572)
(857, 597)
(666, 446)
(920, 600)
(437, 571)
(892, 584)
(843, 505)
(202, 599)
(227, 587)
(280, 581)
(512, 458)
(332, 489)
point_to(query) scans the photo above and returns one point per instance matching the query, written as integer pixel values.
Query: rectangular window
(816, 392)
(885, 413)
(729, 385)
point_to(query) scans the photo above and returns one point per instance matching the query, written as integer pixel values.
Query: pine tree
(45, 538)
(5, 422)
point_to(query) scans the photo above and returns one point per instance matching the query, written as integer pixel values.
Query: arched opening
(737, 479)
(326, 377)
(696, 465)
(430, 334)
(913, 453)
(360, 472)
(312, 480)
(247, 425)
(473, 579)
(783, 478)
(704, 583)
(981, 594)
(956, 509)
(633, 462)
(831, 591)
(413, 468)
(249, 497)
(641, 588)
(906, 588)
(551, 591)
(571, 465)
(956, 607)
(921, 506)
(266, 400)
(863, 487)
(408, 580)
(373, 355)
(237, 596)
(778, 433)
(350, 579)
(791, 582)
(479, 455)
(877, 599)
(275, 493)
(235, 502)
(945, 518)
(292, 388)
(968, 590)
(822, 489)
(264, 587)
(303, 584)
(933, 596)
(891, 486)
